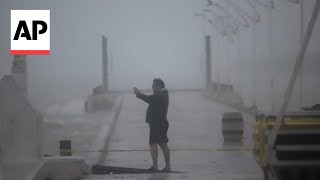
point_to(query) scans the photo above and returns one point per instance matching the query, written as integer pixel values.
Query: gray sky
(156, 38)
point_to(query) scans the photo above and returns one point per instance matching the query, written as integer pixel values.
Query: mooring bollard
(65, 148)
(232, 126)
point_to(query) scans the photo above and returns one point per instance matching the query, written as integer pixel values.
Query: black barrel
(65, 148)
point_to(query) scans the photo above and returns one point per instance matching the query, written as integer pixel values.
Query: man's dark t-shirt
(156, 115)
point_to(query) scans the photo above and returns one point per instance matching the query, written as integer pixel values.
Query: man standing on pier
(156, 117)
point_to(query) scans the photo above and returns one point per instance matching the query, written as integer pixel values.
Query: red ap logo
(30, 32)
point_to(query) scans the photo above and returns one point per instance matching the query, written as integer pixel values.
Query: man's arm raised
(142, 96)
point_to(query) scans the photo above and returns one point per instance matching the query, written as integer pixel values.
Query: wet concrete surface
(195, 138)
(68, 121)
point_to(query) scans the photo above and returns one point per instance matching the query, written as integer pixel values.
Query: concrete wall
(20, 131)
(62, 168)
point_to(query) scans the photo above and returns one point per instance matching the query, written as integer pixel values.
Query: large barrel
(232, 126)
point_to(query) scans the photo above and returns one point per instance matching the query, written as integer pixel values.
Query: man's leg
(154, 156)
(166, 154)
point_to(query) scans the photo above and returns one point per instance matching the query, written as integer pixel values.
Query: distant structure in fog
(19, 72)
(100, 99)
(208, 61)
(105, 63)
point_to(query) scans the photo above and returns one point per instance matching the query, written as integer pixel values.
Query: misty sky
(158, 38)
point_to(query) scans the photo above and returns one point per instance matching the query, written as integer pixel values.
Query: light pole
(203, 16)
(254, 57)
(301, 41)
(207, 48)
(239, 64)
(227, 28)
(271, 57)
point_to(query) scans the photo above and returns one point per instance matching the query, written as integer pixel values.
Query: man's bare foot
(153, 169)
(166, 169)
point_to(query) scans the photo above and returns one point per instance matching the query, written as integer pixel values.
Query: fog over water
(149, 38)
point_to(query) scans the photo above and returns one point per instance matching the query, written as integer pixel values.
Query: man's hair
(159, 82)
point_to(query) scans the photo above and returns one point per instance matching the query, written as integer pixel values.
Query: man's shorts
(158, 133)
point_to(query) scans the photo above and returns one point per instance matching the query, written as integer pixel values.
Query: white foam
(73, 107)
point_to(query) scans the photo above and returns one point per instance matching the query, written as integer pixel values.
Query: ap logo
(30, 32)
